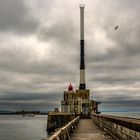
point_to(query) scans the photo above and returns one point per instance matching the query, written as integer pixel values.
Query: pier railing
(121, 128)
(64, 132)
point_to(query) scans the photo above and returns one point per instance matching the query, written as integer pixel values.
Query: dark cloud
(15, 17)
(24, 96)
(61, 32)
(30, 101)
(45, 106)
(118, 105)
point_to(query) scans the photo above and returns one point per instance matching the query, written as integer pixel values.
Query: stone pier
(88, 130)
(99, 127)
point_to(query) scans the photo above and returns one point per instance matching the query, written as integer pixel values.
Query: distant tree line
(22, 112)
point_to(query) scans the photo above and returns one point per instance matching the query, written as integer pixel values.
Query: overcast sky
(40, 51)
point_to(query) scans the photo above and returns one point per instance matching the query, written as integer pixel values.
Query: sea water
(123, 114)
(17, 127)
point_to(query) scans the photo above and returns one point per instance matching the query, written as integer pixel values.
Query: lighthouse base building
(77, 102)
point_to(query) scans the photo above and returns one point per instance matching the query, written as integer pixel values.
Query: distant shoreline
(21, 114)
(24, 113)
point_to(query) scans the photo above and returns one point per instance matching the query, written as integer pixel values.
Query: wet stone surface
(88, 130)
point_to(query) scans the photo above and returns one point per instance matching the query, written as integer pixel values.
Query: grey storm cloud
(37, 67)
(123, 106)
(15, 17)
(60, 32)
(24, 96)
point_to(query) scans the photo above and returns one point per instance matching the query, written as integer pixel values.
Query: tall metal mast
(82, 60)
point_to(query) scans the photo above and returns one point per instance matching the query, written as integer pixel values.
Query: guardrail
(64, 132)
(121, 128)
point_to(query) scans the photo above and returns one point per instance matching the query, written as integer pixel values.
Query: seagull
(116, 27)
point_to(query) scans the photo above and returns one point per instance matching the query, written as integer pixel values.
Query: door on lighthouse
(85, 109)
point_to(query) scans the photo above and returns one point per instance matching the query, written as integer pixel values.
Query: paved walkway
(87, 130)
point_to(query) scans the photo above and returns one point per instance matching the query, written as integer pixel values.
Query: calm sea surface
(124, 114)
(17, 127)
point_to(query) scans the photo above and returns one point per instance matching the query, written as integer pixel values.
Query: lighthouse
(78, 101)
(82, 85)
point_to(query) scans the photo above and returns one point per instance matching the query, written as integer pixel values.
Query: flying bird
(116, 27)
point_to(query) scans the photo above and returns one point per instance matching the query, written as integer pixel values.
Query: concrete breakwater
(64, 132)
(114, 127)
(58, 119)
(121, 128)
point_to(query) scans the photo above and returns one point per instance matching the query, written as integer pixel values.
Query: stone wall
(121, 128)
(64, 132)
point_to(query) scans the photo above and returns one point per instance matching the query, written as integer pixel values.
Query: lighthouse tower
(77, 101)
(83, 93)
(82, 85)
